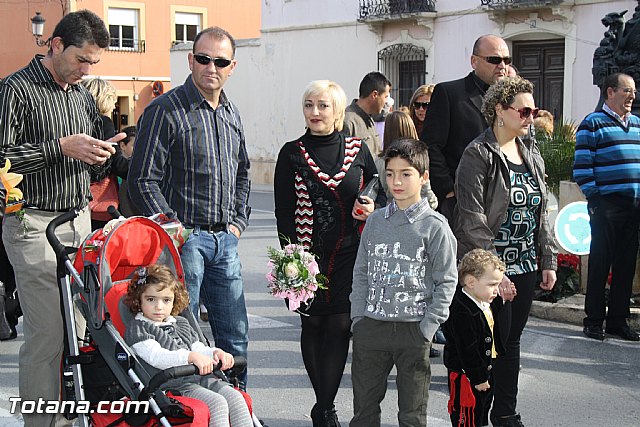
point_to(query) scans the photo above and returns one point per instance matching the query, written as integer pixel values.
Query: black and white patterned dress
(316, 182)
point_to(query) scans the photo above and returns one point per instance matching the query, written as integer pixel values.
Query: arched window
(404, 64)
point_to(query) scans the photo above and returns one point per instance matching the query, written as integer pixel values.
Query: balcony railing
(522, 4)
(388, 8)
(127, 45)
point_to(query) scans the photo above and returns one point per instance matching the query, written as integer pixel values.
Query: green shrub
(558, 151)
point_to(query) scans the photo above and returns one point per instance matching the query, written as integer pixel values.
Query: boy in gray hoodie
(403, 282)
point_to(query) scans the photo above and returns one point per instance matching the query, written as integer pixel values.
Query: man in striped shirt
(50, 131)
(607, 168)
(190, 161)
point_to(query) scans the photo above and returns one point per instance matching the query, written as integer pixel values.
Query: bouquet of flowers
(294, 274)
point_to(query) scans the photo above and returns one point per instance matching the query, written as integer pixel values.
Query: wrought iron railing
(519, 3)
(385, 8)
(127, 45)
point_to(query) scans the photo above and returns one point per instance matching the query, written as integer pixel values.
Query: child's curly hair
(503, 92)
(477, 262)
(160, 276)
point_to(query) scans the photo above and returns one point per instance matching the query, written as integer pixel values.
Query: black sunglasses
(206, 59)
(495, 60)
(420, 105)
(525, 112)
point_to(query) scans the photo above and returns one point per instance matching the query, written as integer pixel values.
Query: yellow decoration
(14, 196)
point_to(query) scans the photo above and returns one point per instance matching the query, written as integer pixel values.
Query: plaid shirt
(190, 161)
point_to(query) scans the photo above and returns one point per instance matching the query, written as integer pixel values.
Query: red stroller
(106, 369)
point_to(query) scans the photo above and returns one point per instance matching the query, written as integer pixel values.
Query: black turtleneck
(326, 150)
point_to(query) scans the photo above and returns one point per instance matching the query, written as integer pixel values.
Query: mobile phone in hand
(363, 201)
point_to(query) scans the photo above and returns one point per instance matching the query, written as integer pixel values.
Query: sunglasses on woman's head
(525, 112)
(420, 105)
(206, 59)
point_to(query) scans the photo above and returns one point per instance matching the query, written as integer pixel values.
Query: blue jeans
(212, 270)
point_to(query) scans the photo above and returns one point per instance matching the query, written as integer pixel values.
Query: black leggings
(325, 344)
(506, 368)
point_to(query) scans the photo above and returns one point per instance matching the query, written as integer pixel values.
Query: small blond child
(473, 337)
(163, 339)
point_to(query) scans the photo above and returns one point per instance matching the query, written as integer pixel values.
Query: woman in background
(419, 104)
(105, 96)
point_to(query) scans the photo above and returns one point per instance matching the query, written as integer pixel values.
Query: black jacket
(469, 340)
(453, 120)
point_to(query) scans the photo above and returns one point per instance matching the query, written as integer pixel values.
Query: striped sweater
(607, 157)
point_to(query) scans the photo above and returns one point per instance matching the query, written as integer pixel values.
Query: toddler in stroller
(163, 339)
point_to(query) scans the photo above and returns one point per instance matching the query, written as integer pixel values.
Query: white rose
(291, 270)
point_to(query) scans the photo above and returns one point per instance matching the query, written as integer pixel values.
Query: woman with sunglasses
(419, 104)
(502, 207)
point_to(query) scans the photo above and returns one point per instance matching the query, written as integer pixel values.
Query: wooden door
(542, 63)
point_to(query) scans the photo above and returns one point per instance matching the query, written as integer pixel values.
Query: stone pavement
(571, 310)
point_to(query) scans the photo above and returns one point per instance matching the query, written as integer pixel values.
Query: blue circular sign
(572, 228)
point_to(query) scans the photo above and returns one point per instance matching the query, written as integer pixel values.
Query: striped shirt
(190, 160)
(607, 157)
(35, 112)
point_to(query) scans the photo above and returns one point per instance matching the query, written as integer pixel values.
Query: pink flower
(313, 268)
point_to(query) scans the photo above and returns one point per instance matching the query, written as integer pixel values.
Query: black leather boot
(315, 416)
(329, 418)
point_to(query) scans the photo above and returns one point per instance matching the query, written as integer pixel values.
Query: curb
(572, 313)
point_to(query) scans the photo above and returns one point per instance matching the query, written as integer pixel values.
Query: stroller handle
(58, 247)
(240, 364)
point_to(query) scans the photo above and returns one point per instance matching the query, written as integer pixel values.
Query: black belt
(211, 228)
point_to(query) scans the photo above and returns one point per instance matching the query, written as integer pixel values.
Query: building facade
(137, 62)
(413, 42)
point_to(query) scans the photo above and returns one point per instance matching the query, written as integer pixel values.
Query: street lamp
(37, 28)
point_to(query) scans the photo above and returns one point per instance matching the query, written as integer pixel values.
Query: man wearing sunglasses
(454, 116)
(607, 168)
(190, 161)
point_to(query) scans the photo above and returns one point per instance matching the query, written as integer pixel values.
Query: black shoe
(315, 415)
(594, 332)
(13, 335)
(434, 353)
(328, 418)
(510, 421)
(624, 332)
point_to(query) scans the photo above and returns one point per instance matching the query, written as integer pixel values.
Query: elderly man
(607, 168)
(190, 161)
(454, 118)
(358, 121)
(51, 132)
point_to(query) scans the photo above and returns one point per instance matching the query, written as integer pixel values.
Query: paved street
(566, 380)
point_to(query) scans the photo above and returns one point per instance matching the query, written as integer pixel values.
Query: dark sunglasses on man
(495, 60)
(206, 59)
(420, 105)
(525, 112)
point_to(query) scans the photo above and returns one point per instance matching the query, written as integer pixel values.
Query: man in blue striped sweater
(607, 168)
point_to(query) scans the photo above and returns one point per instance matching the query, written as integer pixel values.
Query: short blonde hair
(503, 92)
(337, 97)
(103, 92)
(421, 91)
(476, 262)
